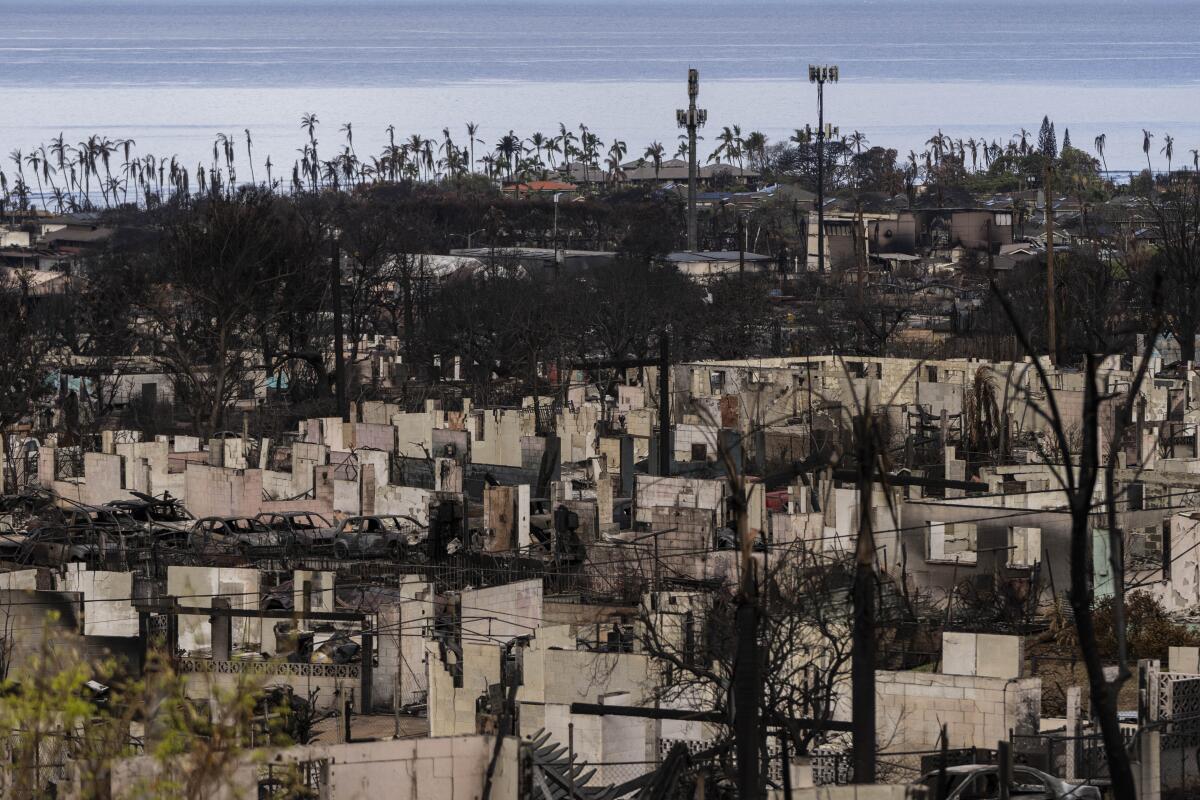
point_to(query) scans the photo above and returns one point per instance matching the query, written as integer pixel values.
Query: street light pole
(466, 237)
(692, 118)
(339, 345)
(820, 75)
(557, 195)
(1051, 299)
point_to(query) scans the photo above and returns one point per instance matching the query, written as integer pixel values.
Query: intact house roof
(79, 234)
(540, 187)
(676, 169)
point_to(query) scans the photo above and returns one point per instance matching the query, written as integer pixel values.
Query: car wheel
(396, 551)
(341, 550)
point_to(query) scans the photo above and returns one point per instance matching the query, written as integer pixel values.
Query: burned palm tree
(1100, 143)
(250, 155)
(983, 419)
(35, 163)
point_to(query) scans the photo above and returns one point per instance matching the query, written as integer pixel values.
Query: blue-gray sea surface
(171, 73)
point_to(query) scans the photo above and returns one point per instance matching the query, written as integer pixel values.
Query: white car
(982, 782)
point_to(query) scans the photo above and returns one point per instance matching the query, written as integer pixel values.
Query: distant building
(841, 252)
(702, 266)
(908, 232)
(539, 262)
(539, 188)
(673, 170)
(39, 282)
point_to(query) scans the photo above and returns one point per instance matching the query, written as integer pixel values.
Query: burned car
(982, 782)
(78, 533)
(377, 536)
(16, 510)
(165, 513)
(19, 517)
(165, 519)
(304, 532)
(339, 648)
(244, 536)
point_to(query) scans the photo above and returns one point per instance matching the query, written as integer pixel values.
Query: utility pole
(991, 255)
(747, 668)
(741, 234)
(1051, 321)
(860, 241)
(1004, 756)
(664, 404)
(557, 260)
(862, 658)
(820, 75)
(692, 118)
(339, 355)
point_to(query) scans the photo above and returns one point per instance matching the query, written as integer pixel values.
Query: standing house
(970, 228)
(705, 265)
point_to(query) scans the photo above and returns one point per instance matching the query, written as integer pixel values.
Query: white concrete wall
(376, 458)
(982, 654)
(557, 674)
(414, 433)
(790, 528)
(403, 500)
(452, 768)
(107, 600)
(659, 492)
(196, 586)
(103, 475)
(452, 709)
(416, 769)
(402, 669)
(25, 579)
(305, 457)
(378, 412)
(381, 437)
(346, 497)
(1181, 590)
(577, 433)
(417, 619)
(218, 491)
(687, 434)
(146, 463)
(977, 711)
(508, 611)
(502, 431)
(321, 590)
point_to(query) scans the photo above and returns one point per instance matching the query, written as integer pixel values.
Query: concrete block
(998, 656)
(1184, 659)
(523, 497)
(499, 515)
(958, 653)
(463, 747)
(187, 444)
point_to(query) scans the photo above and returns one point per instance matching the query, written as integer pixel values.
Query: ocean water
(170, 74)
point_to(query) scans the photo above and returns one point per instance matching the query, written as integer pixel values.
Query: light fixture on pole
(557, 257)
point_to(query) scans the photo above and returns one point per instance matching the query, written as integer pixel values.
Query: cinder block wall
(977, 711)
